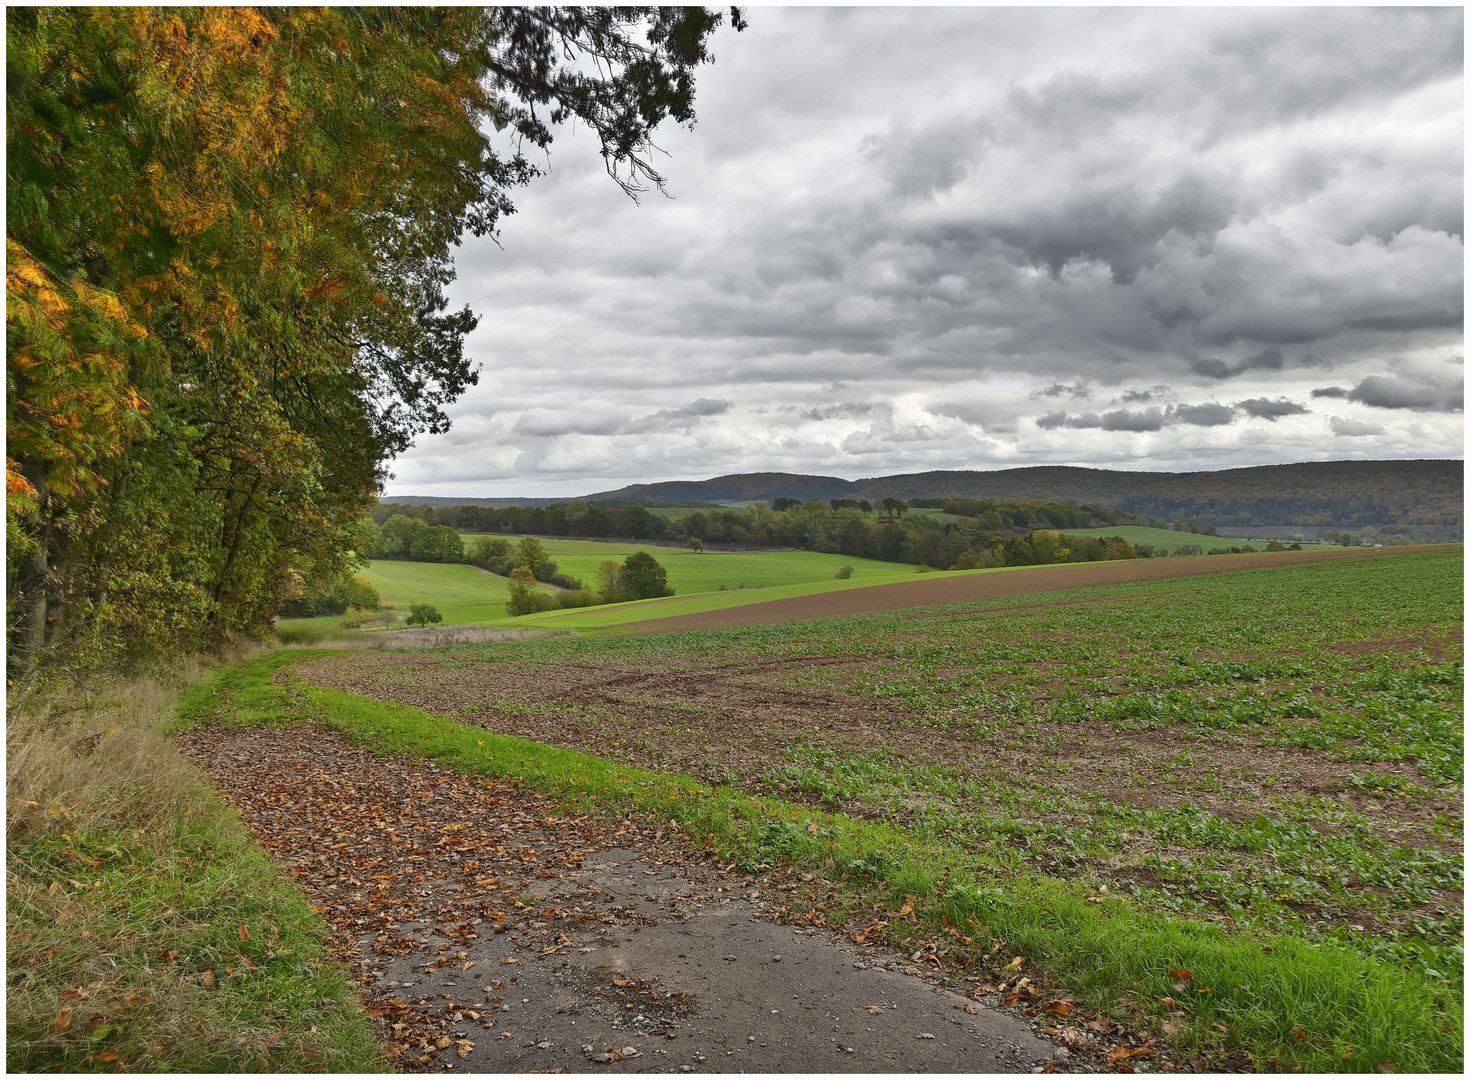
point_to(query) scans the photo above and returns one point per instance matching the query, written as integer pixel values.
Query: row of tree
(228, 235)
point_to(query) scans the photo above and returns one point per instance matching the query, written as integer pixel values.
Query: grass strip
(145, 930)
(1285, 1002)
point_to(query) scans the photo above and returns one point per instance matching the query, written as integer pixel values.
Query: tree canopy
(229, 231)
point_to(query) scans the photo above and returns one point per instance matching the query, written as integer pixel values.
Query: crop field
(1169, 540)
(1269, 751)
(712, 571)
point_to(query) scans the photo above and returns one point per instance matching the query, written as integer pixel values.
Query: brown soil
(733, 719)
(943, 588)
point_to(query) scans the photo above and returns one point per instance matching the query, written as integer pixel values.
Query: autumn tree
(229, 231)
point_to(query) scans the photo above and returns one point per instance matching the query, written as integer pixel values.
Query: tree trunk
(34, 577)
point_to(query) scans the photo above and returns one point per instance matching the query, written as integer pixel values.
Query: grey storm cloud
(1007, 210)
(683, 417)
(1207, 415)
(1396, 392)
(1117, 420)
(1271, 359)
(1266, 409)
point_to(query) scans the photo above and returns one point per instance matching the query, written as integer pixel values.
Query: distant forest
(971, 533)
(1424, 498)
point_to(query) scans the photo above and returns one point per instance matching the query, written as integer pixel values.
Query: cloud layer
(906, 239)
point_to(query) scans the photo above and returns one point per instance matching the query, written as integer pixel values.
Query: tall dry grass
(125, 881)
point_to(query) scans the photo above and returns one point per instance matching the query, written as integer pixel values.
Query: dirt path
(491, 933)
(946, 589)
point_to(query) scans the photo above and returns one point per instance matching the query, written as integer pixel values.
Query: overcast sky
(906, 239)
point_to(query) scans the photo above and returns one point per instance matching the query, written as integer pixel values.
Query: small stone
(602, 1059)
(686, 1068)
(860, 965)
(1061, 1053)
(750, 1038)
(629, 1051)
(911, 971)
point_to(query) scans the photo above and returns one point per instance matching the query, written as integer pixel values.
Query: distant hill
(737, 487)
(1424, 498)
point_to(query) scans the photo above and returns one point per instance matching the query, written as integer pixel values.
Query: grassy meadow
(712, 571)
(1169, 540)
(1254, 776)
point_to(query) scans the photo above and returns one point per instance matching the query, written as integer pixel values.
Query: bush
(844, 573)
(1277, 545)
(423, 615)
(574, 598)
(968, 560)
(566, 581)
(524, 597)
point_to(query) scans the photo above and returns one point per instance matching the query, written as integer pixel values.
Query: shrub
(968, 560)
(574, 598)
(694, 543)
(566, 581)
(844, 573)
(1277, 545)
(423, 615)
(524, 597)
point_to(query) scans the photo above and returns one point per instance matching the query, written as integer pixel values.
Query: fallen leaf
(908, 905)
(505, 1034)
(874, 1009)
(867, 931)
(1101, 1024)
(1123, 1053)
(63, 1020)
(1386, 1067)
(1094, 899)
(1182, 974)
(1170, 1002)
(467, 965)
(1172, 1027)
(1061, 1008)
(1298, 1035)
(208, 978)
(244, 932)
(1015, 964)
(510, 960)
(924, 1035)
(443, 1042)
(111, 1055)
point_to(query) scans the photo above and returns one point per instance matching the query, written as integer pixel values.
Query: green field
(1170, 540)
(1254, 776)
(710, 571)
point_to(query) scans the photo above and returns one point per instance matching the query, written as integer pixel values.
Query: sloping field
(949, 588)
(1226, 805)
(711, 571)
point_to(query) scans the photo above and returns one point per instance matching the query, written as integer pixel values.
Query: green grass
(612, 615)
(127, 885)
(709, 571)
(1251, 990)
(1170, 540)
(463, 595)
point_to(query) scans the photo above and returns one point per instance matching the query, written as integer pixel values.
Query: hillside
(737, 487)
(1424, 496)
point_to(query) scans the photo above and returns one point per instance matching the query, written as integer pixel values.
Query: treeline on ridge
(991, 533)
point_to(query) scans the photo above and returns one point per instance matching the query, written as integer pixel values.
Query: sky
(905, 239)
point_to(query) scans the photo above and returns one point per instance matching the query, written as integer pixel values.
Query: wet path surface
(491, 932)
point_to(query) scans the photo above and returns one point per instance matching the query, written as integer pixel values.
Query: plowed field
(950, 589)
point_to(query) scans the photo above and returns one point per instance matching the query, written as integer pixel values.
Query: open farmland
(1169, 540)
(1274, 750)
(712, 571)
